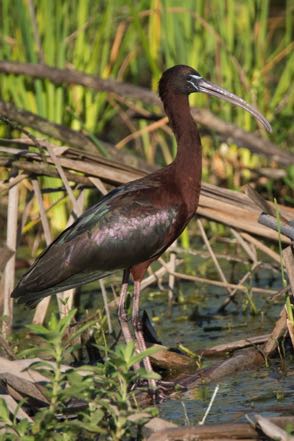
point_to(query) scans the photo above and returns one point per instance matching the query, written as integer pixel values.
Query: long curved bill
(205, 86)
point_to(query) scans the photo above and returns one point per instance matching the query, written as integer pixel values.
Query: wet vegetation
(226, 286)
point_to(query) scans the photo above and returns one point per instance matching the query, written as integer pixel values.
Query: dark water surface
(195, 324)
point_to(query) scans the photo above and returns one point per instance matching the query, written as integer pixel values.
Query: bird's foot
(158, 390)
(162, 390)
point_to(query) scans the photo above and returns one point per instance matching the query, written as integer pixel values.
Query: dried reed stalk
(42, 307)
(244, 245)
(171, 277)
(239, 287)
(65, 299)
(215, 203)
(233, 293)
(262, 247)
(279, 331)
(9, 272)
(212, 255)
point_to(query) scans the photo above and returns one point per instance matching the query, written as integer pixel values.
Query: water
(266, 390)
(196, 324)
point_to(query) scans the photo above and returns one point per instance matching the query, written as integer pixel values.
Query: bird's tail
(31, 298)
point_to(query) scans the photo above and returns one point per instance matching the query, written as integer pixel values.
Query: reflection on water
(196, 324)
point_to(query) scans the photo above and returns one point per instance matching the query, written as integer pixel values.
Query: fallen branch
(215, 203)
(203, 116)
(42, 125)
(222, 284)
(220, 432)
(170, 360)
(234, 345)
(272, 430)
(244, 360)
(271, 222)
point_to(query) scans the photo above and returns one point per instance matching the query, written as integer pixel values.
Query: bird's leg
(122, 313)
(138, 327)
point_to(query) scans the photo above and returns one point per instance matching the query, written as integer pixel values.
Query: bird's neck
(188, 162)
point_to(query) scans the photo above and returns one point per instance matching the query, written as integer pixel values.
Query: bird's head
(183, 80)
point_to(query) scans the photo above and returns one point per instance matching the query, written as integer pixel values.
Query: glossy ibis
(135, 223)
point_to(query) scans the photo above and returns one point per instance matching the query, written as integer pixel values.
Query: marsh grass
(136, 42)
(245, 46)
(107, 408)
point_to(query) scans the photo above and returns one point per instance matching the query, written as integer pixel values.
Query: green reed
(243, 45)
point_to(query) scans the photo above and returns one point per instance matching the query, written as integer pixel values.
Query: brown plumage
(134, 224)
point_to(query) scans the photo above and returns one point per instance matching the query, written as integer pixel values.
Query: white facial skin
(199, 84)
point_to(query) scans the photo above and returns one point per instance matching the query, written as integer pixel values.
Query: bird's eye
(193, 80)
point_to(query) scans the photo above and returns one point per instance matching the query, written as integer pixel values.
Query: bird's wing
(122, 229)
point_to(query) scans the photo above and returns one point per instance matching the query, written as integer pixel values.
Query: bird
(132, 225)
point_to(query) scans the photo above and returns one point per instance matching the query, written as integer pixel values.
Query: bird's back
(131, 224)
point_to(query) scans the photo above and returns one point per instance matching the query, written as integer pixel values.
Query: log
(218, 432)
(171, 360)
(244, 360)
(234, 345)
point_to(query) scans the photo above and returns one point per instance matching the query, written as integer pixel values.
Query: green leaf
(142, 373)
(150, 351)
(38, 329)
(4, 412)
